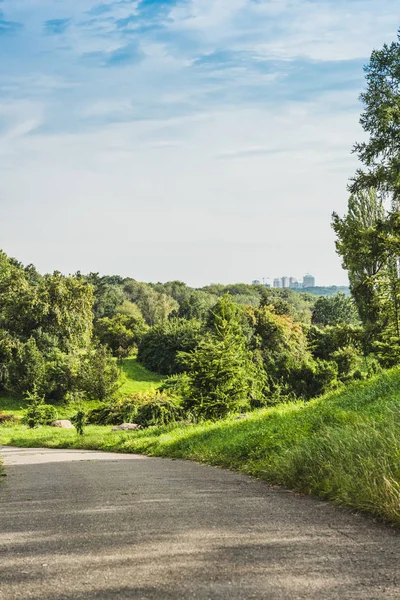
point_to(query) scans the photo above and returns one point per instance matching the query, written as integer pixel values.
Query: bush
(79, 420)
(160, 346)
(38, 413)
(120, 332)
(99, 374)
(26, 369)
(144, 409)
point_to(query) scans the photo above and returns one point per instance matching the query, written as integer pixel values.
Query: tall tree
(380, 154)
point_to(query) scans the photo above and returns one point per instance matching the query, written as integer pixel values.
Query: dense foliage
(46, 335)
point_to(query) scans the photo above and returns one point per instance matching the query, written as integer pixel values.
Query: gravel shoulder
(83, 525)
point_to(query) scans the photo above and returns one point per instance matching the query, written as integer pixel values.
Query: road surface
(84, 525)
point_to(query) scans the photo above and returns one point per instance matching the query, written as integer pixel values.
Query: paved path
(83, 525)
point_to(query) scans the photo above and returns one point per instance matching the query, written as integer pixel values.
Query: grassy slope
(138, 378)
(344, 447)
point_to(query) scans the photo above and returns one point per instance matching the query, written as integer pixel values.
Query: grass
(344, 447)
(138, 378)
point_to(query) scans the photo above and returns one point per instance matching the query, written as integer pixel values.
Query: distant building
(285, 282)
(277, 282)
(256, 282)
(308, 281)
(293, 283)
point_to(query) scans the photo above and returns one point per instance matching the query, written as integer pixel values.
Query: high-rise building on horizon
(308, 281)
(285, 282)
(277, 282)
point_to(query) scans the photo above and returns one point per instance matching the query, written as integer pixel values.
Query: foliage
(79, 420)
(108, 294)
(99, 374)
(334, 310)
(370, 244)
(121, 333)
(159, 347)
(381, 121)
(145, 409)
(38, 413)
(26, 369)
(221, 374)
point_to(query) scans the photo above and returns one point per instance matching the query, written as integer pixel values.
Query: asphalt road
(83, 525)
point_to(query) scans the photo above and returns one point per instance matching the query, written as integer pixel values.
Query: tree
(334, 310)
(222, 376)
(159, 347)
(26, 369)
(120, 332)
(369, 243)
(357, 244)
(381, 121)
(99, 374)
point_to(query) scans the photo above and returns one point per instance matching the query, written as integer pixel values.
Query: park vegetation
(305, 377)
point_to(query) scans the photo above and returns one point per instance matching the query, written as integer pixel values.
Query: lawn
(137, 378)
(344, 447)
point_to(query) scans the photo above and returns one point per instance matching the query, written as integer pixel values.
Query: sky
(199, 140)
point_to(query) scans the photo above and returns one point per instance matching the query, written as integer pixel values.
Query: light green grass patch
(137, 378)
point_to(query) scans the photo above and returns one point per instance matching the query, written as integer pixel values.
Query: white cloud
(175, 167)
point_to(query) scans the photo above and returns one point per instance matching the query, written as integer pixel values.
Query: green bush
(79, 420)
(145, 409)
(38, 413)
(26, 369)
(160, 346)
(99, 374)
(121, 332)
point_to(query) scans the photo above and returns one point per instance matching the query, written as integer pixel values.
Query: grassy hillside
(344, 447)
(137, 378)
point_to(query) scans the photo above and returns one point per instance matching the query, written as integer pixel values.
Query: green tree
(159, 348)
(99, 374)
(380, 154)
(222, 376)
(358, 245)
(334, 310)
(26, 369)
(120, 332)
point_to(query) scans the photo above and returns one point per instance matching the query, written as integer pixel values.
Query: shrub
(79, 420)
(99, 374)
(120, 332)
(144, 409)
(26, 369)
(38, 413)
(160, 346)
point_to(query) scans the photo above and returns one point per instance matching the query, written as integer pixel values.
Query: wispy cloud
(57, 26)
(9, 27)
(191, 110)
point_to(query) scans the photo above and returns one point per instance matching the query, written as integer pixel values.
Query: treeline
(225, 347)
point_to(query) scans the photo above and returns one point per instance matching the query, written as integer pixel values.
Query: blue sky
(202, 140)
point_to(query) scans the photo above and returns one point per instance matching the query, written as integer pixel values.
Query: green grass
(138, 378)
(11, 405)
(344, 447)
